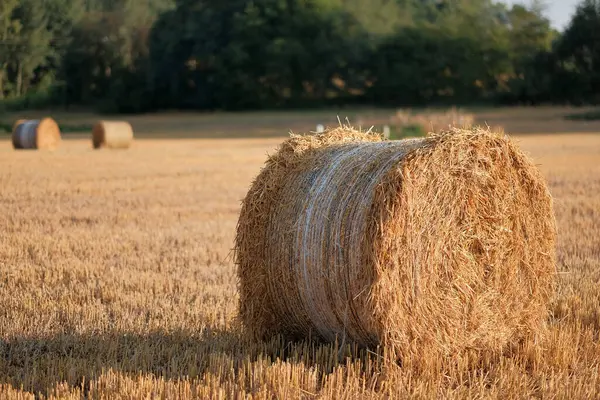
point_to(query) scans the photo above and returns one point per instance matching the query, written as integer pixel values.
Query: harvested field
(119, 282)
(188, 125)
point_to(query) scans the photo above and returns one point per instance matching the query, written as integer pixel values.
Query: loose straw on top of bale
(443, 243)
(112, 134)
(36, 134)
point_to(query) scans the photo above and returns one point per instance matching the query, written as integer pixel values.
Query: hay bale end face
(41, 134)
(444, 243)
(112, 135)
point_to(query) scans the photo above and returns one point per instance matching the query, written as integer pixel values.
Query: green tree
(255, 54)
(378, 17)
(62, 16)
(106, 60)
(530, 37)
(9, 35)
(430, 64)
(578, 52)
(33, 45)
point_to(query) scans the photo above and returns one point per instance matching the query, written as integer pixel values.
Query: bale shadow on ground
(38, 364)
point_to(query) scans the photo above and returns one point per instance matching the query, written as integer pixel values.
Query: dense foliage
(133, 56)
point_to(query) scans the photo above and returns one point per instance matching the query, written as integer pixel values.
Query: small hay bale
(444, 243)
(17, 123)
(112, 135)
(41, 134)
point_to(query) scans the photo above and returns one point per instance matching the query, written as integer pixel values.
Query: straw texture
(444, 243)
(36, 134)
(112, 135)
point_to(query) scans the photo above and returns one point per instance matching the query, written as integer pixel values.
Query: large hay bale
(36, 134)
(442, 243)
(112, 134)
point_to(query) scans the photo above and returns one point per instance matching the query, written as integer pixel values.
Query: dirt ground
(117, 281)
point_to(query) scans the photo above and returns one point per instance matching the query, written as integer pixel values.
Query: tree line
(142, 55)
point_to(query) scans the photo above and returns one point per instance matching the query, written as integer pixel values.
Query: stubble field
(117, 281)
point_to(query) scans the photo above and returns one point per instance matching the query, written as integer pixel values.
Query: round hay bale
(444, 243)
(41, 134)
(112, 134)
(17, 123)
(14, 128)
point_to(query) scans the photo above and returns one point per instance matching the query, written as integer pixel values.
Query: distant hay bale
(444, 243)
(17, 123)
(112, 134)
(41, 134)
